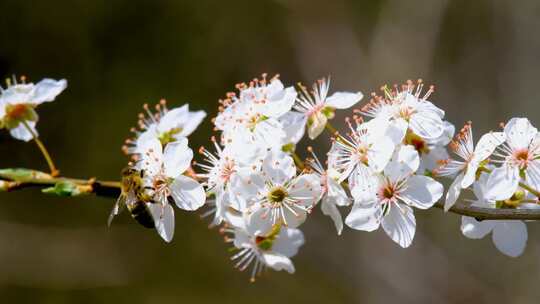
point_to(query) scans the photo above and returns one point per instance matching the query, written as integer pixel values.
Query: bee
(134, 198)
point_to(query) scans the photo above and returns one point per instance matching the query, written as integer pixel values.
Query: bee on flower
(166, 180)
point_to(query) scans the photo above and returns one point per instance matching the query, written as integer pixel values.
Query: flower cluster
(259, 191)
(260, 188)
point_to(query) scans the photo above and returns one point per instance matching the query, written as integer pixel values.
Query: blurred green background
(483, 56)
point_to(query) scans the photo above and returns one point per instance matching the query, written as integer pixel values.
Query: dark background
(483, 57)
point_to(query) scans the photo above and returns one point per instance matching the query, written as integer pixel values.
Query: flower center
(266, 242)
(17, 113)
(417, 142)
(387, 193)
(405, 112)
(160, 184)
(522, 158)
(362, 154)
(277, 195)
(227, 170)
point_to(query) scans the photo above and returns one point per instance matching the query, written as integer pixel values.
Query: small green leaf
(63, 188)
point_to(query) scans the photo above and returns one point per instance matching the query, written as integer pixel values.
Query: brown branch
(112, 189)
(492, 213)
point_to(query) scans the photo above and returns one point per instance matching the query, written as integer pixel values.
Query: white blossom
(276, 194)
(164, 177)
(167, 125)
(18, 101)
(406, 110)
(387, 199)
(261, 248)
(366, 149)
(253, 116)
(220, 170)
(317, 107)
(518, 157)
(465, 170)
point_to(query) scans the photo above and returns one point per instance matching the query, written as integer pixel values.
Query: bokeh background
(483, 56)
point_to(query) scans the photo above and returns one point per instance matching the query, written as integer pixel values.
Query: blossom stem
(298, 161)
(41, 146)
(330, 128)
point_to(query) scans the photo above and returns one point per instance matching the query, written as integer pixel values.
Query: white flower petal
(427, 124)
(364, 216)
(288, 242)
(47, 90)
(400, 225)
(343, 100)
(317, 123)
(294, 125)
(330, 209)
(474, 229)
(173, 119)
(177, 157)
(510, 237)
(422, 192)
(293, 220)
(151, 155)
(193, 122)
(164, 220)
(279, 102)
(487, 144)
(278, 167)
(187, 193)
(306, 189)
(278, 262)
(21, 133)
(502, 183)
(519, 133)
(469, 176)
(453, 192)
(380, 153)
(404, 162)
(258, 222)
(336, 193)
